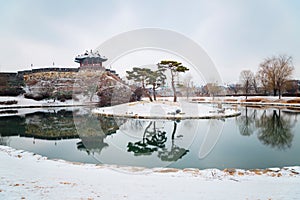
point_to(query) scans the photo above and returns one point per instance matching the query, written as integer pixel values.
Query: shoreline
(266, 102)
(165, 110)
(271, 171)
(25, 175)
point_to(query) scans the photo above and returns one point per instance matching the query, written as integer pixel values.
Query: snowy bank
(165, 110)
(21, 102)
(261, 101)
(28, 176)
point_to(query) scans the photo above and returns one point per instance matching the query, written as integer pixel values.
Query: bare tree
(274, 73)
(246, 78)
(263, 79)
(284, 71)
(213, 89)
(255, 84)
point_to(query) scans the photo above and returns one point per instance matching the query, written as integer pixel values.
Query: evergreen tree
(174, 67)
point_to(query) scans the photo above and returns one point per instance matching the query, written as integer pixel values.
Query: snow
(166, 109)
(25, 106)
(28, 176)
(24, 175)
(23, 102)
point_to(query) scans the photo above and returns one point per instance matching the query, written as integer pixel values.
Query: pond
(258, 138)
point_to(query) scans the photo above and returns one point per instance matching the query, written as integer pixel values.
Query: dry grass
(254, 100)
(230, 171)
(198, 99)
(296, 109)
(230, 100)
(297, 100)
(279, 101)
(168, 170)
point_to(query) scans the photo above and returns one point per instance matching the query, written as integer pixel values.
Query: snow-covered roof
(90, 54)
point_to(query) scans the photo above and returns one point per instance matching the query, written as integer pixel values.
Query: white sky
(236, 34)
(149, 59)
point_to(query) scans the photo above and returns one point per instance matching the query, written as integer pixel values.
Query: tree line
(155, 78)
(272, 76)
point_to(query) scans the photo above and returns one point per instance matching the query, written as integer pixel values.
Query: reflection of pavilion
(94, 131)
(92, 144)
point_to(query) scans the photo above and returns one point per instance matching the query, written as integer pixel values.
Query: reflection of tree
(246, 122)
(275, 130)
(176, 153)
(154, 140)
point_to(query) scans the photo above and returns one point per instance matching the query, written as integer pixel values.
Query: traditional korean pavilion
(90, 59)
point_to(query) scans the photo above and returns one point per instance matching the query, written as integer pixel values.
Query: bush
(63, 96)
(36, 96)
(11, 91)
(8, 102)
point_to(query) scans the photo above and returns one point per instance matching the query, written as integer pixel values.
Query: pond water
(258, 138)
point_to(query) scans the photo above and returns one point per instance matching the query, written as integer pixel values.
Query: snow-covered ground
(25, 106)
(23, 102)
(24, 175)
(166, 109)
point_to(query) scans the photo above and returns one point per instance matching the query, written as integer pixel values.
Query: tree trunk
(174, 130)
(154, 91)
(146, 93)
(274, 92)
(146, 130)
(187, 91)
(173, 87)
(91, 97)
(279, 94)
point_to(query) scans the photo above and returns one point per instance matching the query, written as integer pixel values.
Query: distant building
(90, 59)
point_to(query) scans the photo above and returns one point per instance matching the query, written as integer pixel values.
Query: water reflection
(154, 139)
(246, 122)
(128, 141)
(272, 126)
(256, 139)
(275, 130)
(49, 125)
(93, 131)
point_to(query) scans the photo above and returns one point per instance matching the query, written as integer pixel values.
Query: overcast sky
(236, 34)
